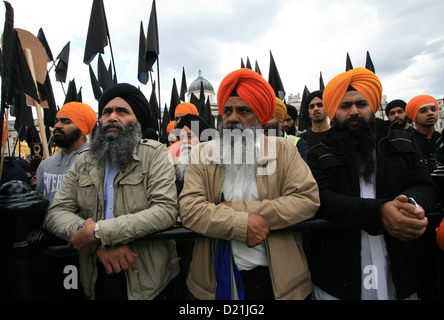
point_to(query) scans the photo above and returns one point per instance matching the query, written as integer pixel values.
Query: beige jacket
(145, 201)
(288, 194)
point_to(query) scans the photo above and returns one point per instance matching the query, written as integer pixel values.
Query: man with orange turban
(73, 123)
(365, 173)
(182, 110)
(238, 188)
(423, 110)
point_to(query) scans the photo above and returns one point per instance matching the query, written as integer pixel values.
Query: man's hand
(257, 231)
(116, 259)
(403, 220)
(83, 240)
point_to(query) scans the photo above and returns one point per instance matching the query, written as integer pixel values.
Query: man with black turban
(124, 187)
(365, 173)
(395, 112)
(289, 123)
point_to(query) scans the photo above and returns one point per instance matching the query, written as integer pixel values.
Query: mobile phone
(412, 201)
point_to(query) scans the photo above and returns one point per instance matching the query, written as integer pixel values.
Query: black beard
(358, 143)
(66, 140)
(400, 125)
(115, 148)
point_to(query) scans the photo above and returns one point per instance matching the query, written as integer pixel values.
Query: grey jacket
(145, 202)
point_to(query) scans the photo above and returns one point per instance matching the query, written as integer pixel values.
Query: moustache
(353, 119)
(59, 131)
(113, 125)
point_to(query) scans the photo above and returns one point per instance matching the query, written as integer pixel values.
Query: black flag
(104, 77)
(163, 130)
(42, 38)
(249, 64)
(274, 79)
(94, 84)
(257, 69)
(154, 106)
(348, 63)
(97, 38)
(61, 69)
(321, 82)
(142, 71)
(175, 100)
(369, 63)
(152, 40)
(183, 87)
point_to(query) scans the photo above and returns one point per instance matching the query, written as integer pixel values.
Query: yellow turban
(281, 110)
(362, 79)
(418, 102)
(83, 116)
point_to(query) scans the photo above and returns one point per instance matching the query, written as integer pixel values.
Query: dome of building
(195, 85)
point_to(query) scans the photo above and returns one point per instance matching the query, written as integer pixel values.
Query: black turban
(133, 96)
(304, 120)
(394, 104)
(292, 111)
(187, 121)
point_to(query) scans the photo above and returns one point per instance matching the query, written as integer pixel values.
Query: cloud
(306, 37)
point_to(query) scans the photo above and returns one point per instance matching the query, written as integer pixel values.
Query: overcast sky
(306, 37)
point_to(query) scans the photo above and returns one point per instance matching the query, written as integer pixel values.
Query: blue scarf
(222, 269)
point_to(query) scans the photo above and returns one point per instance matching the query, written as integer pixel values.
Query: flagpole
(109, 40)
(158, 83)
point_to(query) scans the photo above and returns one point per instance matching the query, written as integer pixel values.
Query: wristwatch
(97, 231)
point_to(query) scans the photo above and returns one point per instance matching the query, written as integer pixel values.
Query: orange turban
(418, 102)
(281, 110)
(252, 88)
(440, 235)
(186, 107)
(362, 79)
(83, 116)
(170, 126)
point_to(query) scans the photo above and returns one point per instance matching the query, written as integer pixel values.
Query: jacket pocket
(87, 194)
(133, 189)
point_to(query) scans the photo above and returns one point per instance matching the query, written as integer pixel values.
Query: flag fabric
(23, 80)
(49, 113)
(348, 63)
(155, 113)
(369, 63)
(42, 38)
(97, 37)
(152, 39)
(210, 117)
(175, 100)
(321, 82)
(249, 64)
(163, 130)
(257, 69)
(103, 75)
(195, 100)
(61, 69)
(72, 94)
(304, 118)
(94, 84)
(201, 107)
(274, 79)
(183, 87)
(142, 71)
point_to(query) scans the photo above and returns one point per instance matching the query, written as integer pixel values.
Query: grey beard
(237, 144)
(115, 148)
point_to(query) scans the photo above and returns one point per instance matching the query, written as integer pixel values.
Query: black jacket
(334, 255)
